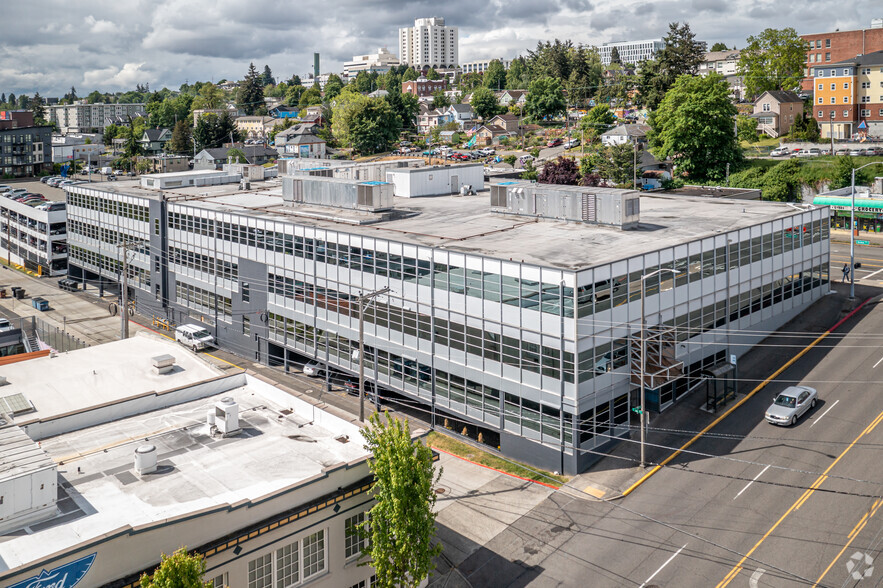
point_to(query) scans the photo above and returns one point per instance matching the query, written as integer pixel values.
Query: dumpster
(40, 304)
(18, 293)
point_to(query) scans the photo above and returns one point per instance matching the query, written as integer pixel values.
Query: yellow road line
(803, 498)
(224, 360)
(714, 423)
(855, 531)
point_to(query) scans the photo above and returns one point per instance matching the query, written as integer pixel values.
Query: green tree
(746, 129)
(213, 131)
(406, 105)
(236, 156)
(530, 172)
(614, 56)
(132, 146)
(345, 108)
(599, 119)
(12, 100)
(694, 126)
(286, 123)
(401, 524)
(333, 86)
(179, 570)
(773, 60)
(95, 97)
(410, 75)
(432, 74)
(267, 77)
(585, 75)
(515, 75)
(374, 127)
(440, 100)
(37, 108)
(781, 182)
(209, 97)
(617, 163)
(484, 103)
(311, 96)
(470, 82)
(550, 59)
(293, 95)
(182, 139)
(681, 55)
(719, 47)
(842, 174)
(495, 75)
(251, 92)
(545, 99)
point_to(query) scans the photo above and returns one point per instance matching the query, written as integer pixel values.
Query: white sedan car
(790, 404)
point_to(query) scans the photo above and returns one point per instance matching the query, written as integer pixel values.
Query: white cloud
(100, 27)
(127, 77)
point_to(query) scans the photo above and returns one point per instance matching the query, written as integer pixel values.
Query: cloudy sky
(51, 45)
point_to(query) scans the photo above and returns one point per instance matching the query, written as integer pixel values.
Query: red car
(554, 143)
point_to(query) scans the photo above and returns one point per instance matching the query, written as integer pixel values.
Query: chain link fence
(54, 337)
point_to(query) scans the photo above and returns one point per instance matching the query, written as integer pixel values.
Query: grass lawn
(765, 142)
(488, 459)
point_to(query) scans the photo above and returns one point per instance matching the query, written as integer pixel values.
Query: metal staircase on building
(32, 343)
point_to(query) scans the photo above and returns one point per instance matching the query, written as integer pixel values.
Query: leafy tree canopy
(719, 47)
(484, 103)
(773, 60)
(564, 170)
(545, 99)
(179, 570)
(495, 75)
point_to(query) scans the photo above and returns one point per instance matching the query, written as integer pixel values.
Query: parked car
(194, 337)
(875, 151)
(5, 325)
(791, 404)
(51, 206)
(572, 143)
(15, 192)
(780, 152)
(313, 369)
(842, 152)
(554, 142)
(855, 153)
(4, 188)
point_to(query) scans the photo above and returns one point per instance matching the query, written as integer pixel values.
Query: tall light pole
(644, 353)
(361, 300)
(852, 232)
(832, 131)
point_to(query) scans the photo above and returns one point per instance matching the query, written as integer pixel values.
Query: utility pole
(124, 288)
(361, 300)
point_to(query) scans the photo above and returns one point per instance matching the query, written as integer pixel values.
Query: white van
(194, 337)
(106, 171)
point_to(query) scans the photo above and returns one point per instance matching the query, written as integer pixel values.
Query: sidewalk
(842, 236)
(620, 470)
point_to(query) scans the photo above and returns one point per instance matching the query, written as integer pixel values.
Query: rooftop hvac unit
(498, 196)
(145, 459)
(227, 416)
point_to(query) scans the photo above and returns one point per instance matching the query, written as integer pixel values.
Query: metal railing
(53, 336)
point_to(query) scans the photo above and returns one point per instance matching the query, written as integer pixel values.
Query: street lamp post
(852, 231)
(832, 131)
(361, 301)
(644, 354)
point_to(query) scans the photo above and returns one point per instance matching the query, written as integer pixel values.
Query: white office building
(633, 52)
(33, 238)
(481, 65)
(381, 62)
(429, 44)
(82, 117)
(115, 454)
(516, 314)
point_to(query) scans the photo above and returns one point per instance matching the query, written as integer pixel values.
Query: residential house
(284, 112)
(214, 158)
(508, 122)
(301, 140)
(848, 96)
(490, 134)
(254, 127)
(431, 119)
(635, 134)
(232, 111)
(509, 98)
(462, 114)
(153, 141)
(776, 111)
(725, 63)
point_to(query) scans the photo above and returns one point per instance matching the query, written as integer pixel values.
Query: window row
(106, 235)
(518, 353)
(200, 299)
(204, 263)
(289, 565)
(108, 265)
(125, 209)
(614, 356)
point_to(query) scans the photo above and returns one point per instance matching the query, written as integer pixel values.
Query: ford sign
(65, 576)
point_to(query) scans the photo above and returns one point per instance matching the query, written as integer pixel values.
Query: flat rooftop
(283, 442)
(466, 224)
(104, 374)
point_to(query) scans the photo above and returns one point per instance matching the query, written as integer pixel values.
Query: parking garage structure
(517, 312)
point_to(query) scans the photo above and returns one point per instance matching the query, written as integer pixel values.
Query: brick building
(422, 87)
(837, 46)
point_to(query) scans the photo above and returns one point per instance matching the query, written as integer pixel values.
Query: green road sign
(862, 242)
(636, 409)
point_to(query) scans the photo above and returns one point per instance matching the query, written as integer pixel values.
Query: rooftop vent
(145, 459)
(163, 364)
(3, 381)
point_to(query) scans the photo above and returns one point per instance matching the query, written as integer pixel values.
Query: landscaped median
(466, 451)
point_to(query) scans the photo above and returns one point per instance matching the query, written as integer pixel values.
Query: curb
(496, 470)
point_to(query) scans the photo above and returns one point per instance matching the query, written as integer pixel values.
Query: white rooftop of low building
(284, 442)
(68, 382)
(466, 224)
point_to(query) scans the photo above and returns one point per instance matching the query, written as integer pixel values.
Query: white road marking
(751, 482)
(826, 412)
(755, 577)
(668, 561)
(878, 362)
(873, 274)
